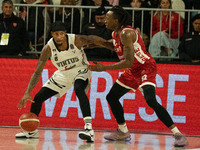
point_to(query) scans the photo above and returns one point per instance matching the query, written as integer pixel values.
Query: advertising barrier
(177, 90)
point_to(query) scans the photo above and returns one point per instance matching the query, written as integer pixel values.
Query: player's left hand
(23, 100)
(97, 67)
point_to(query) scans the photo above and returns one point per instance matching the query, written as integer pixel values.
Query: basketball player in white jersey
(67, 55)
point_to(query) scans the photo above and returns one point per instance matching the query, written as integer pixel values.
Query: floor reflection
(69, 140)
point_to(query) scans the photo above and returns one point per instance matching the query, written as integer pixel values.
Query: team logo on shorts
(144, 77)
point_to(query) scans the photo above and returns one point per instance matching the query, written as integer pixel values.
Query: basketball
(29, 122)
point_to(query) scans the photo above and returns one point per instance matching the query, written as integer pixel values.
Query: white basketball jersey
(70, 58)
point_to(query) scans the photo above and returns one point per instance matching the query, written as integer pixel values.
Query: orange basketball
(29, 122)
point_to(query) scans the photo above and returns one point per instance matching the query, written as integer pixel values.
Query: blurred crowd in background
(168, 35)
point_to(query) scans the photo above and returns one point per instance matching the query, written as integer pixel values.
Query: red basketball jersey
(143, 70)
(141, 55)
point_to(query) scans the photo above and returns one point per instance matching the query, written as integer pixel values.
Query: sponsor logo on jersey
(118, 49)
(141, 56)
(67, 62)
(114, 42)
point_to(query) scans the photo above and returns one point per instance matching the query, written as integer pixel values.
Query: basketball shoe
(180, 140)
(118, 135)
(24, 134)
(88, 134)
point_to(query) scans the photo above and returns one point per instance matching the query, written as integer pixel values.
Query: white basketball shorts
(62, 81)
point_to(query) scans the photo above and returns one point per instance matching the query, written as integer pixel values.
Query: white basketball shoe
(24, 134)
(88, 134)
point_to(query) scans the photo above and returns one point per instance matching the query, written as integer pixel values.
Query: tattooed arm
(93, 41)
(127, 37)
(44, 56)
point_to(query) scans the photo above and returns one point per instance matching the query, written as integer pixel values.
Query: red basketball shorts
(138, 76)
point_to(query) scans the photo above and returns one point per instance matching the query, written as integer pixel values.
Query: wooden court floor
(56, 139)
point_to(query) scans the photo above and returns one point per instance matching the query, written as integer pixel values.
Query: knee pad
(112, 96)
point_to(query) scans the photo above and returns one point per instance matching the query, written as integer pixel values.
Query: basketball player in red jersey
(140, 72)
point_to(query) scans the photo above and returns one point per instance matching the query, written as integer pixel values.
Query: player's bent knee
(110, 97)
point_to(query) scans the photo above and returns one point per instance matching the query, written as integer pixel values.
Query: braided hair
(122, 16)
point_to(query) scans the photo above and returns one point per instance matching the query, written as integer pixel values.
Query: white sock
(88, 122)
(87, 119)
(123, 128)
(175, 130)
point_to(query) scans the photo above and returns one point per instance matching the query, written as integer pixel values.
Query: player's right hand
(97, 67)
(24, 100)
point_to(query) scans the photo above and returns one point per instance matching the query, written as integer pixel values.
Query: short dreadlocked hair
(122, 16)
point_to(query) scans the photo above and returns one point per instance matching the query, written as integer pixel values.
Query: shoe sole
(21, 137)
(24, 137)
(85, 137)
(182, 145)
